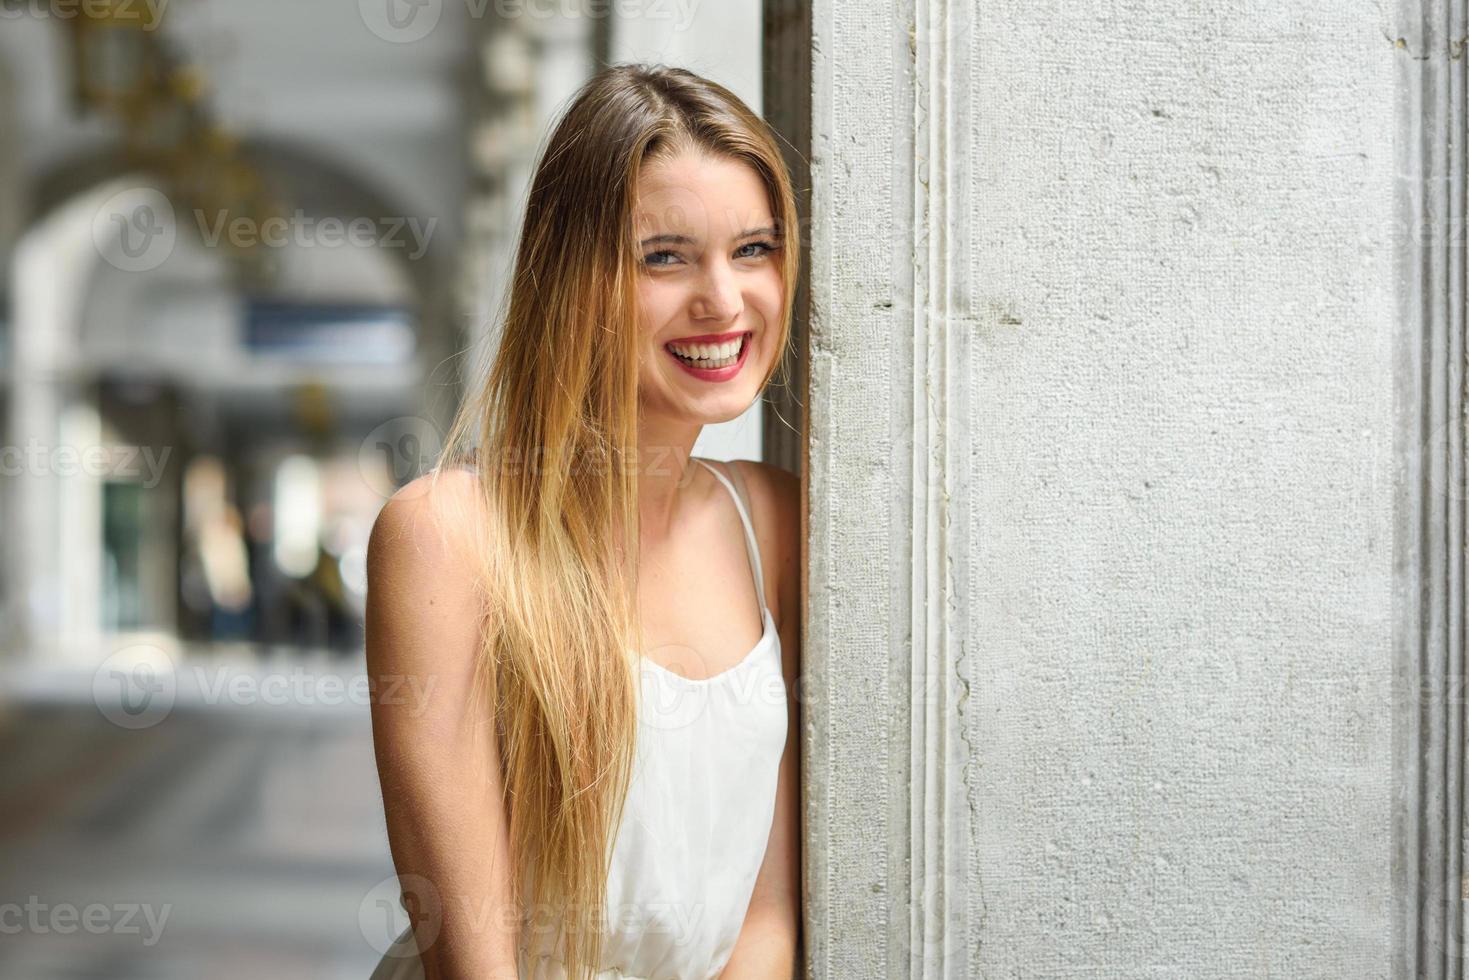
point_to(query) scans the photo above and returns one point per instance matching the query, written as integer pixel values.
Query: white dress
(696, 821)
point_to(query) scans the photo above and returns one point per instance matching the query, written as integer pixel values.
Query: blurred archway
(141, 350)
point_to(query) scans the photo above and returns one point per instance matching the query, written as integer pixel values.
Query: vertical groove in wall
(1431, 550)
(1454, 517)
(927, 663)
(1449, 338)
(921, 803)
(939, 805)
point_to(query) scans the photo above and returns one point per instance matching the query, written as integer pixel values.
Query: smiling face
(710, 290)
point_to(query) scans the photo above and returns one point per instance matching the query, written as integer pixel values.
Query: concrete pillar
(1115, 393)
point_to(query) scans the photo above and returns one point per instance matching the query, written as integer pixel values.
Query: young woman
(601, 778)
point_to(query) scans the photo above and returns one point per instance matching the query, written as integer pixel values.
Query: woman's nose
(719, 294)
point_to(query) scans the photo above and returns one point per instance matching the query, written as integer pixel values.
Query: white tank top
(696, 820)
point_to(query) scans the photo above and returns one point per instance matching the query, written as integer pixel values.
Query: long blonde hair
(556, 425)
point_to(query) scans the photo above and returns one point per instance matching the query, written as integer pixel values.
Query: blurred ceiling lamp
(113, 58)
(314, 409)
(160, 129)
(124, 67)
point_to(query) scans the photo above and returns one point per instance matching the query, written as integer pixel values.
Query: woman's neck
(664, 472)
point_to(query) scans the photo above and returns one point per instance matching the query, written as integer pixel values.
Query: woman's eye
(653, 258)
(765, 248)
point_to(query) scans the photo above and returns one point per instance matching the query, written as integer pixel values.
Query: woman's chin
(710, 409)
(715, 411)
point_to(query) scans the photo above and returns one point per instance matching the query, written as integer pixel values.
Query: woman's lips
(716, 374)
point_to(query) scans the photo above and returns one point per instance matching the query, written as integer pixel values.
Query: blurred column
(52, 607)
(12, 192)
(527, 65)
(12, 187)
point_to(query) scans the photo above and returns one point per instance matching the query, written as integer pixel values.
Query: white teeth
(709, 352)
(717, 362)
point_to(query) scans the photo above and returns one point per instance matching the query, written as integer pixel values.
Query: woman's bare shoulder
(420, 574)
(424, 516)
(779, 490)
(775, 497)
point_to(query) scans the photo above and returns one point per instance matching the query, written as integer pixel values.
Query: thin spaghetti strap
(751, 546)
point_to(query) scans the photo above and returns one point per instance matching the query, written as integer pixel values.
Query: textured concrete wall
(1101, 490)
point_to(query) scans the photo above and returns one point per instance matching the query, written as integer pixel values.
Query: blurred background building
(250, 254)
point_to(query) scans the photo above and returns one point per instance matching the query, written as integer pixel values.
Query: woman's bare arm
(447, 830)
(768, 947)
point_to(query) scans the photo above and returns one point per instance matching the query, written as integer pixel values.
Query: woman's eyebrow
(668, 239)
(675, 239)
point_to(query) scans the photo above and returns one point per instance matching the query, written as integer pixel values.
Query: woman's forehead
(695, 195)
